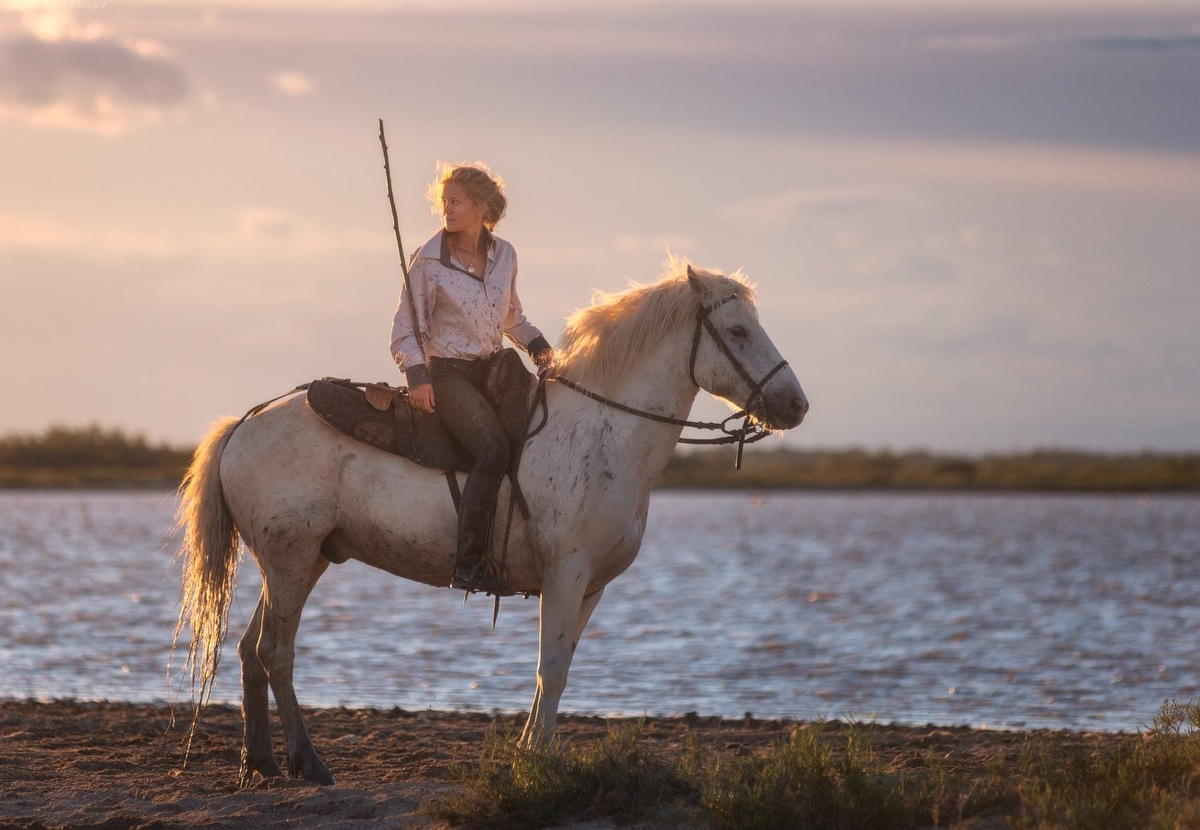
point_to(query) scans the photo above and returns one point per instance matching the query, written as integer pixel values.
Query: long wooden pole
(412, 300)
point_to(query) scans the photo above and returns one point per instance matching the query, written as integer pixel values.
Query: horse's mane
(602, 343)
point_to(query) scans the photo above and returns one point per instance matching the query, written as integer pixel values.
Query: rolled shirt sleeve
(406, 347)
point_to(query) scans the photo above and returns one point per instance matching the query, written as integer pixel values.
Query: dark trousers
(463, 408)
(458, 396)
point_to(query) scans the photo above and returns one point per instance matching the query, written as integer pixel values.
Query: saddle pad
(410, 433)
(400, 429)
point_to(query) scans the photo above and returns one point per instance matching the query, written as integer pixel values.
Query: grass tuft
(616, 777)
(806, 781)
(1150, 782)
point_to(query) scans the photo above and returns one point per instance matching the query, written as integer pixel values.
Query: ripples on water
(1010, 611)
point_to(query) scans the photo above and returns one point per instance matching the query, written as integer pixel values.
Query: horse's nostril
(800, 406)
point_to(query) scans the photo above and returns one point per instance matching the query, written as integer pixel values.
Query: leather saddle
(382, 416)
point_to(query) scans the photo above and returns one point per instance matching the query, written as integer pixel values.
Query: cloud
(851, 198)
(27, 231)
(268, 223)
(293, 83)
(60, 74)
(1141, 38)
(919, 268)
(944, 326)
(1150, 42)
(988, 41)
(277, 233)
(247, 234)
(630, 243)
(916, 165)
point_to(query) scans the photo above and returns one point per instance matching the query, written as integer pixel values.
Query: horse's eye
(739, 331)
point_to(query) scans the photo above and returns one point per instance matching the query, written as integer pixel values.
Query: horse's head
(730, 354)
(733, 358)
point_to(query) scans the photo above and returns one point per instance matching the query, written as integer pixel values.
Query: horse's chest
(615, 550)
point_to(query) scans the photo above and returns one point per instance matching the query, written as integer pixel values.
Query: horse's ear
(694, 280)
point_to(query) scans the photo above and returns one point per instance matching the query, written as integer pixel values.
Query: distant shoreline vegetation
(89, 457)
(854, 469)
(94, 457)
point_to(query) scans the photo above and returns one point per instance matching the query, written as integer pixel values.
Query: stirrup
(477, 577)
(464, 575)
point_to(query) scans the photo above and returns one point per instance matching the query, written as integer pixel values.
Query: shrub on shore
(809, 780)
(831, 779)
(805, 782)
(616, 777)
(1152, 781)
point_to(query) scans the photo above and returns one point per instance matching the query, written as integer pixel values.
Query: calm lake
(1000, 610)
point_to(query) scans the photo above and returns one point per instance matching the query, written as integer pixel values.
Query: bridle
(702, 321)
(750, 430)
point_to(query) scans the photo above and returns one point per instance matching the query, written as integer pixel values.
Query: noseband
(749, 432)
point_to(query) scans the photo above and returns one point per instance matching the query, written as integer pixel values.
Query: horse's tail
(209, 551)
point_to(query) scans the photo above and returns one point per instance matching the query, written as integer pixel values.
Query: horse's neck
(636, 448)
(659, 384)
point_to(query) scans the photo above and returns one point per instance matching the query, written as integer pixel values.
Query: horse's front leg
(565, 611)
(585, 613)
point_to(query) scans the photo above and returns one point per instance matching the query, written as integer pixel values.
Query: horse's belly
(435, 574)
(401, 521)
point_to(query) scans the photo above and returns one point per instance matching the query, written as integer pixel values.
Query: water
(1010, 611)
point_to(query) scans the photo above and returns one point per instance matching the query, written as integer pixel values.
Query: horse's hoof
(318, 774)
(314, 771)
(264, 769)
(321, 777)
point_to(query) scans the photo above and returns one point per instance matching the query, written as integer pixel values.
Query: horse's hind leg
(257, 754)
(286, 591)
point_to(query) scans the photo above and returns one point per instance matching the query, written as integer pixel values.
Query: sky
(974, 225)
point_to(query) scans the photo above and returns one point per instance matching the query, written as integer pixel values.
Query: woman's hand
(544, 358)
(422, 397)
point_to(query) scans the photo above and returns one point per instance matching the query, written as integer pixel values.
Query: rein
(749, 432)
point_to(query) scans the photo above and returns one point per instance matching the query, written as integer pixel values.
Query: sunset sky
(974, 225)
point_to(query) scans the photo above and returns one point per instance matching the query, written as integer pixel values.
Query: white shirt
(461, 315)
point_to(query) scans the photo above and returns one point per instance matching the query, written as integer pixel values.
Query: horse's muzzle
(782, 410)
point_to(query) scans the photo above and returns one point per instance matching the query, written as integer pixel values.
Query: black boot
(475, 516)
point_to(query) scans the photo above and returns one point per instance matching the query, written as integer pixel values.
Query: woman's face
(459, 212)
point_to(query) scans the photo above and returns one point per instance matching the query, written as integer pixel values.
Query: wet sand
(118, 765)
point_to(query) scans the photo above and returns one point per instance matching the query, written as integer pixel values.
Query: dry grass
(830, 777)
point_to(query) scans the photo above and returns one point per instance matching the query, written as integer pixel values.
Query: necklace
(463, 259)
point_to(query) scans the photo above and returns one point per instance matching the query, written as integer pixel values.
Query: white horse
(301, 494)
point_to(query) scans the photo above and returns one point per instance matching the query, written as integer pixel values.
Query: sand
(118, 765)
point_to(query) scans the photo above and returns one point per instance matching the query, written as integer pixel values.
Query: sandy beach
(118, 765)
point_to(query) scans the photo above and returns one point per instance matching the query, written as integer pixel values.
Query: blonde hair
(602, 343)
(483, 187)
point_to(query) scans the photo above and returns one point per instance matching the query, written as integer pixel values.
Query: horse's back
(289, 476)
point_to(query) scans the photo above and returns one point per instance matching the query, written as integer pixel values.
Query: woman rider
(464, 293)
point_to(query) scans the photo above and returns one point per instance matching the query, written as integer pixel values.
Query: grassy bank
(112, 764)
(830, 776)
(1043, 470)
(88, 457)
(96, 457)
